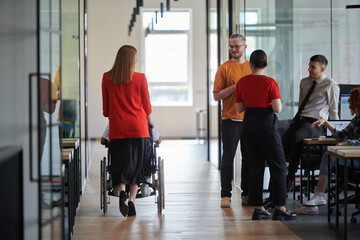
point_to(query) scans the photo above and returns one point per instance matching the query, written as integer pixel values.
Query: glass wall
(290, 32)
(345, 45)
(49, 141)
(213, 64)
(70, 97)
(70, 69)
(269, 26)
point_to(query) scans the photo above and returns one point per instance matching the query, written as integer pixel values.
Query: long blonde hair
(124, 65)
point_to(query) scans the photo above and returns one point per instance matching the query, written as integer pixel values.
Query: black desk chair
(353, 184)
(355, 176)
(310, 162)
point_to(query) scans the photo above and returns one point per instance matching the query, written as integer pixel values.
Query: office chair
(353, 184)
(355, 175)
(310, 162)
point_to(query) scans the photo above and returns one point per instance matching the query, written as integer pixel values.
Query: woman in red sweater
(126, 103)
(261, 97)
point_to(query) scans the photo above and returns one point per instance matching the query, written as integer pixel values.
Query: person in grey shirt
(322, 104)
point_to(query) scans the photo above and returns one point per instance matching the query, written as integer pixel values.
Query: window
(251, 17)
(167, 57)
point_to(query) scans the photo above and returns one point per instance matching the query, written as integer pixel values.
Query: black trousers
(292, 141)
(262, 141)
(231, 134)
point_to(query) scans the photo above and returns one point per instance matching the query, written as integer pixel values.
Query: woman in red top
(260, 96)
(126, 103)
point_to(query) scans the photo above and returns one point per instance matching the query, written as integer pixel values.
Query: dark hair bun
(258, 59)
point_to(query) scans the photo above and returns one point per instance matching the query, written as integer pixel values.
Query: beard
(236, 57)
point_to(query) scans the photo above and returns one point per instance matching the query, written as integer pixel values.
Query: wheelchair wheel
(103, 187)
(161, 186)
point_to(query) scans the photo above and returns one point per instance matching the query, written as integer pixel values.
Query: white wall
(18, 60)
(108, 31)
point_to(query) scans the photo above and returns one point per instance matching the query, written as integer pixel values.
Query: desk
(322, 143)
(69, 192)
(341, 153)
(74, 143)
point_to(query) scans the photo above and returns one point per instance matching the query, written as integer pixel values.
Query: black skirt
(128, 160)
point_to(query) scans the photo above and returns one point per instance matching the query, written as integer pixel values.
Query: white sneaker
(307, 211)
(116, 191)
(316, 200)
(145, 190)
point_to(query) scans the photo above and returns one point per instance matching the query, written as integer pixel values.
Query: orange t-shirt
(229, 73)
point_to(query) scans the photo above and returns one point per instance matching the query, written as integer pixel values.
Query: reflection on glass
(345, 43)
(70, 98)
(49, 140)
(213, 65)
(251, 17)
(70, 72)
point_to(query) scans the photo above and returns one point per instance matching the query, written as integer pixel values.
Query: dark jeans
(292, 141)
(231, 134)
(262, 142)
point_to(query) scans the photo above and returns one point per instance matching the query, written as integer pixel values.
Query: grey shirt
(323, 102)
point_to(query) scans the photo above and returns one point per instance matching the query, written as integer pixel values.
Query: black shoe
(259, 214)
(281, 215)
(57, 203)
(124, 209)
(132, 211)
(268, 203)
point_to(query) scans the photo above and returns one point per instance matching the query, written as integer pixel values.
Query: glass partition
(290, 32)
(345, 42)
(268, 26)
(70, 69)
(49, 144)
(70, 104)
(312, 35)
(213, 64)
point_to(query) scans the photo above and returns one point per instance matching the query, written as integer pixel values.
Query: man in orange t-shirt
(226, 78)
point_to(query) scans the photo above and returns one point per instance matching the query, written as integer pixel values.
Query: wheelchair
(156, 171)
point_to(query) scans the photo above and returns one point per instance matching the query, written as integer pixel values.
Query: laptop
(338, 124)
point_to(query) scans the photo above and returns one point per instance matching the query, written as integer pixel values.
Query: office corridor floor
(192, 208)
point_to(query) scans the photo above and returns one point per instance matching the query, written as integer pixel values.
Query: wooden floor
(192, 211)
(192, 207)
